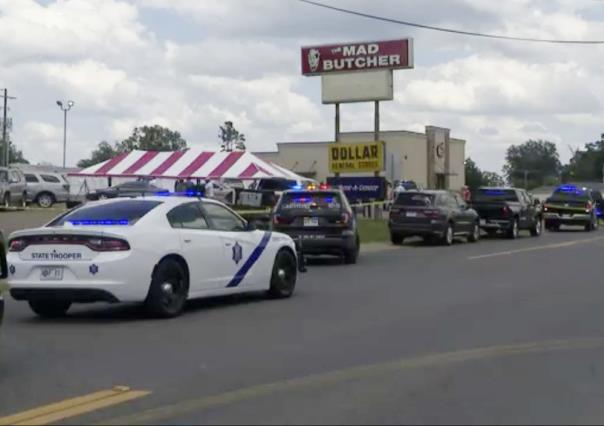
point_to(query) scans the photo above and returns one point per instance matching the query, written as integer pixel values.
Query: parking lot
(501, 331)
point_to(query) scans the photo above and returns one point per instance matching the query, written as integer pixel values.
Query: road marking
(73, 407)
(165, 413)
(536, 248)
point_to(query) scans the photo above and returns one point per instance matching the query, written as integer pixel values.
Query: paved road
(496, 332)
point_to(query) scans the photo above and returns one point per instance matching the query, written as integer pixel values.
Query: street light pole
(65, 107)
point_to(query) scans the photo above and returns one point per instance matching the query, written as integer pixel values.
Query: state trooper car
(160, 250)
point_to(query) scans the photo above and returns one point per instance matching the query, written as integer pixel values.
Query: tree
(492, 179)
(145, 138)
(586, 164)
(153, 138)
(15, 156)
(231, 138)
(103, 152)
(476, 178)
(473, 174)
(532, 164)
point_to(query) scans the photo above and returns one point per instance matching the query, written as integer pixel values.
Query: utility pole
(65, 107)
(5, 154)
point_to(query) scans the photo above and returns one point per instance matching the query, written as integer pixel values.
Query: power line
(449, 30)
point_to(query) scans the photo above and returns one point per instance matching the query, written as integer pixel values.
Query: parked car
(46, 189)
(321, 220)
(13, 189)
(573, 206)
(126, 189)
(434, 216)
(507, 210)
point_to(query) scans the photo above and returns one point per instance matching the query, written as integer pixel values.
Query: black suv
(321, 221)
(433, 215)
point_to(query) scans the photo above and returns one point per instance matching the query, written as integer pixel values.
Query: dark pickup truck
(507, 210)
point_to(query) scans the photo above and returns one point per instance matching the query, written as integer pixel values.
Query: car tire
(448, 235)
(537, 228)
(513, 231)
(474, 236)
(45, 200)
(24, 200)
(396, 239)
(284, 275)
(168, 291)
(351, 256)
(6, 200)
(49, 308)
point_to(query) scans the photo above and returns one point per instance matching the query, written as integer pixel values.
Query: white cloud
(243, 65)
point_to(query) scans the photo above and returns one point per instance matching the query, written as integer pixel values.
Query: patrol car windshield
(570, 196)
(311, 200)
(485, 194)
(123, 212)
(414, 199)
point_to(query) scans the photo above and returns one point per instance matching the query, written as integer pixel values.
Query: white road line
(536, 248)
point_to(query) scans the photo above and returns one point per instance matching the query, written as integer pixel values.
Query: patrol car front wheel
(49, 308)
(283, 278)
(169, 290)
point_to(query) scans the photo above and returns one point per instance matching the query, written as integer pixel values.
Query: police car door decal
(240, 275)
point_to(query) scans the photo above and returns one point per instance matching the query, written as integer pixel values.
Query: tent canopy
(191, 163)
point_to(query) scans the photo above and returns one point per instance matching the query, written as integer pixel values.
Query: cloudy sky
(192, 64)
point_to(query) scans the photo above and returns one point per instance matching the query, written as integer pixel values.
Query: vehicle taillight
(344, 218)
(505, 210)
(18, 244)
(107, 244)
(588, 207)
(433, 214)
(281, 220)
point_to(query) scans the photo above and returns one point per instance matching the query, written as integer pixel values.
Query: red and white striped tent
(192, 163)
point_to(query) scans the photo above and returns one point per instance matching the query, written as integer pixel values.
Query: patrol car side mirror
(250, 226)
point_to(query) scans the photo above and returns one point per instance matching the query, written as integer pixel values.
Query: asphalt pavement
(495, 332)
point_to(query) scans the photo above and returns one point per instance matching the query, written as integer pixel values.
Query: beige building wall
(409, 149)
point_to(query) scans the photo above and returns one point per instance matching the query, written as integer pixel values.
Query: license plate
(411, 214)
(51, 274)
(313, 237)
(565, 215)
(311, 221)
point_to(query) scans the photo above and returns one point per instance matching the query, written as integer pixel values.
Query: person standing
(209, 189)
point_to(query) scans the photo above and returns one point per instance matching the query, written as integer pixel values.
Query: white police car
(159, 250)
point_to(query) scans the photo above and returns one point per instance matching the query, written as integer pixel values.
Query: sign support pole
(376, 127)
(337, 136)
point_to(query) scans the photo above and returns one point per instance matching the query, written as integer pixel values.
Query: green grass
(373, 231)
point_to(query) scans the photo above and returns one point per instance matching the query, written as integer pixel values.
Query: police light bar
(102, 222)
(179, 194)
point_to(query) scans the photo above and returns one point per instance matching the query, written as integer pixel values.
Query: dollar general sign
(356, 158)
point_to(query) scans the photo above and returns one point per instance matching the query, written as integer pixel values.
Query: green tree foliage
(103, 152)
(15, 156)
(153, 138)
(145, 138)
(476, 178)
(537, 160)
(473, 174)
(492, 179)
(586, 164)
(231, 138)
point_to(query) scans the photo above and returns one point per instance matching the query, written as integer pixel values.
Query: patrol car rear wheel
(283, 278)
(49, 308)
(169, 290)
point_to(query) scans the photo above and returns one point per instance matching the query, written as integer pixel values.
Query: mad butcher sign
(347, 57)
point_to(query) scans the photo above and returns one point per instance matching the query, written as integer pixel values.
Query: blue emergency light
(102, 222)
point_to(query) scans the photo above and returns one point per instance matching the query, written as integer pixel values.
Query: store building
(432, 159)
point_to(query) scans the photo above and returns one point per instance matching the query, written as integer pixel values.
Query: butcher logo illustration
(313, 59)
